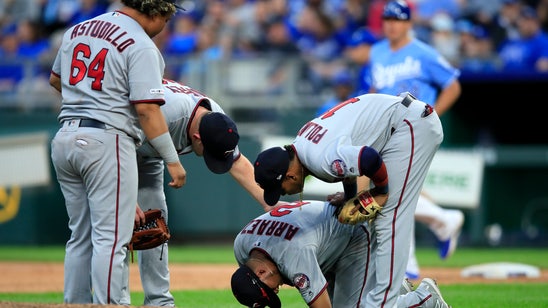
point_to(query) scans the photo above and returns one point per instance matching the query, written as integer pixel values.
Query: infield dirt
(30, 277)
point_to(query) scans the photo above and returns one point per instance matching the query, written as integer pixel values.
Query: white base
(501, 270)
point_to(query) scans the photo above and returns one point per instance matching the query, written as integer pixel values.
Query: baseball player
(109, 73)
(391, 140)
(303, 245)
(196, 124)
(401, 63)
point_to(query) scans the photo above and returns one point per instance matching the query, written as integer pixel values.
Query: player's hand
(336, 199)
(139, 217)
(178, 174)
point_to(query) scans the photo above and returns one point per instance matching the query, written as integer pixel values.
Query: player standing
(402, 63)
(391, 140)
(109, 73)
(196, 124)
(303, 245)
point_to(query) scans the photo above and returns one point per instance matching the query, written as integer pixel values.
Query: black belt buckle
(408, 98)
(92, 123)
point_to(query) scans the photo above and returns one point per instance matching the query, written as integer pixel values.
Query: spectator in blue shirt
(343, 89)
(477, 51)
(528, 52)
(320, 46)
(357, 53)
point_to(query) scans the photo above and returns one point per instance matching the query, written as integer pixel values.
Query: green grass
(496, 295)
(493, 294)
(223, 254)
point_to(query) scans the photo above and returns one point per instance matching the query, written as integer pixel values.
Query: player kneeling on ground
(302, 244)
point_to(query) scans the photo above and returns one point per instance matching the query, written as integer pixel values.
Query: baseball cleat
(448, 247)
(435, 300)
(406, 286)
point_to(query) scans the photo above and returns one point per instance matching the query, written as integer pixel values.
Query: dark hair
(152, 7)
(290, 151)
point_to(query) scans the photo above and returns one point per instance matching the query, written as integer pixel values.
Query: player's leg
(446, 224)
(77, 263)
(408, 155)
(153, 263)
(391, 232)
(112, 189)
(347, 287)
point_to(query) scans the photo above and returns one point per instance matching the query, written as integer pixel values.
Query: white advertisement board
(25, 160)
(455, 178)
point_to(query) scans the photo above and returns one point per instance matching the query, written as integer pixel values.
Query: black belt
(92, 123)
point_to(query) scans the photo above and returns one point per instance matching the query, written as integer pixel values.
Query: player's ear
(260, 272)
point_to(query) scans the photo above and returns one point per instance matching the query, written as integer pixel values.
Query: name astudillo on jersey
(103, 30)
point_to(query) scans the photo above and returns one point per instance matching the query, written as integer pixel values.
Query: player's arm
(242, 172)
(155, 128)
(447, 97)
(322, 301)
(372, 166)
(350, 188)
(55, 81)
(363, 183)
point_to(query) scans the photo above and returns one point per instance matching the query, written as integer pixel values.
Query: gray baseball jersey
(314, 252)
(406, 135)
(329, 146)
(179, 110)
(101, 63)
(105, 65)
(309, 246)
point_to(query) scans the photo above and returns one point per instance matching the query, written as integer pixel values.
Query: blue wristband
(383, 190)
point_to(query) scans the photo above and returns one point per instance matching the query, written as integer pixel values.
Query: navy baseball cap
(361, 36)
(250, 291)
(220, 138)
(398, 10)
(270, 169)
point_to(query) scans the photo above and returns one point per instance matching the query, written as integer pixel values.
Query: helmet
(397, 9)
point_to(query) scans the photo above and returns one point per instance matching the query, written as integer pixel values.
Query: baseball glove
(366, 209)
(152, 234)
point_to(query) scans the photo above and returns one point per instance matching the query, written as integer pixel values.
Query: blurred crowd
(508, 36)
